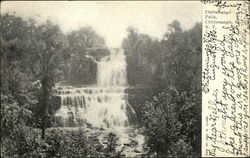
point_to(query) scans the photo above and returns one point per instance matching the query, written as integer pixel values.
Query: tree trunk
(43, 131)
(45, 98)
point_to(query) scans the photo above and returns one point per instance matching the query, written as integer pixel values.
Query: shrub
(111, 142)
(171, 123)
(70, 143)
(58, 143)
(26, 143)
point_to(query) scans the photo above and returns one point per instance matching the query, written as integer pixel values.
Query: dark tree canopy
(171, 68)
(77, 68)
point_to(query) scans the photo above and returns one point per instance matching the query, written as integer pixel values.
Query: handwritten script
(225, 79)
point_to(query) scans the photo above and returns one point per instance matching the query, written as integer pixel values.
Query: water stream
(103, 105)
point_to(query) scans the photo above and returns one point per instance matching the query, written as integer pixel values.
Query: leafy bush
(26, 143)
(58, 143)
(171, 124)
(72, 144)
(111, 142)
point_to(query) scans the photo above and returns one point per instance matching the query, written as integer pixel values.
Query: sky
(110, 19)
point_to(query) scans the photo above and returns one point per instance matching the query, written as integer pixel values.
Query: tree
(181, 54)
(172, 123)
(174, 27)
(14, 75)
(172, 118)
(40, 53)
(48, 43)
(16, 101)
(141, 51)
(78, 69)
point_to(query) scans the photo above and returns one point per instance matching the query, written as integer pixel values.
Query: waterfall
(111, 70)
(102, 105)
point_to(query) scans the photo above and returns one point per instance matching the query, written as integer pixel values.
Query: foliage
(58, 143)
(171, 121)
(25, 143)
(29, 52)
(35, 53)
(67, 143)
(157, 64)
(77, 68)
(111, 143)
(140, 50)
(174, 60)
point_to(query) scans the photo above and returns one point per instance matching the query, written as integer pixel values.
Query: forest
(37, 56)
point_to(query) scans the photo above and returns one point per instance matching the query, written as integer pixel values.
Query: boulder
(98, 53)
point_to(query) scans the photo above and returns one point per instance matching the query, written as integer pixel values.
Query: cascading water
(103, 105)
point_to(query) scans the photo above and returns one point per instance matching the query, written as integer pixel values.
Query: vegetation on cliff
(169, 70)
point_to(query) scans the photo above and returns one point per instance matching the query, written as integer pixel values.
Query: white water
(102, 105)
(111, 70)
